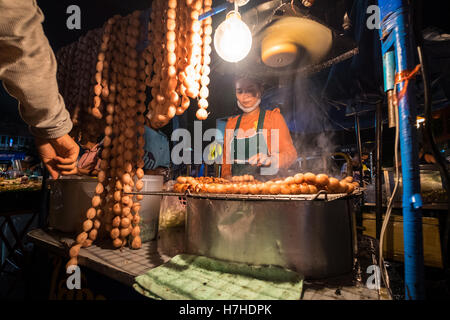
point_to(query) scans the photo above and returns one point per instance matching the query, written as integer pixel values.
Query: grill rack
(321, 195)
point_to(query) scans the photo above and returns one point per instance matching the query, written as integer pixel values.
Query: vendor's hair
(251, 78)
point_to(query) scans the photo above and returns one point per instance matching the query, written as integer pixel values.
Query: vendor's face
(355, 161)
(247, 92)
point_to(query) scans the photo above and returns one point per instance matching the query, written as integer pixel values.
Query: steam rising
(310, 127)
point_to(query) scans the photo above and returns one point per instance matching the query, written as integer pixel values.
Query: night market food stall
(195, 230)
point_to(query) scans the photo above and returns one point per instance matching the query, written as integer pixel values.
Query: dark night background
(95, 12)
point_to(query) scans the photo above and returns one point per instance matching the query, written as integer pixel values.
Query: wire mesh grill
(321, 196)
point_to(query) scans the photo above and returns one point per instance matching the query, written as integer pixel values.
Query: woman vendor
(255, 127)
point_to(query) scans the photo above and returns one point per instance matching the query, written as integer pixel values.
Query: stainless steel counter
(124, 265)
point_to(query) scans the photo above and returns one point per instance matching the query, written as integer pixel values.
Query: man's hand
(59, 155)
(83, 172)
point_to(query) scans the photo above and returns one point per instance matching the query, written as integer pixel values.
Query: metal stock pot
(314, 236)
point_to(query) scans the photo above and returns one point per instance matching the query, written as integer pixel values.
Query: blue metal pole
(394, 16)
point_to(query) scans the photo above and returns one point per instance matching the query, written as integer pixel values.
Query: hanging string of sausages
(206, 60)
(181, 59)
(103, 79)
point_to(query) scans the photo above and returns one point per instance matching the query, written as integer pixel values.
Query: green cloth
(189, 277)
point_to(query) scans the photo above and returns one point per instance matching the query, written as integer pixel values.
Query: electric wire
(383, 270)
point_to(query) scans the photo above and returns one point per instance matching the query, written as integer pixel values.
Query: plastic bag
(172, 212)
(168, 186)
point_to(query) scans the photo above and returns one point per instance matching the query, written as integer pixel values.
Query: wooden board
(393, 241)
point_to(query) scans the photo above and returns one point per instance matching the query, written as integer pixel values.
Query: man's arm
(28, 72)
(28, 69)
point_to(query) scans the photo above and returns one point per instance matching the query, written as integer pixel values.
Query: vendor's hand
(260, 159)
(59, 155)
(429, 158)
(308, 3)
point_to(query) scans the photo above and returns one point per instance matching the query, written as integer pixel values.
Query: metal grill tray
(268, 197)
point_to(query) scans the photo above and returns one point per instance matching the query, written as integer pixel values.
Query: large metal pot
(70, 197)
(313, 237)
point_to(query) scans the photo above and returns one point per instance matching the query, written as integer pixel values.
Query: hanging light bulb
(233, 39)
